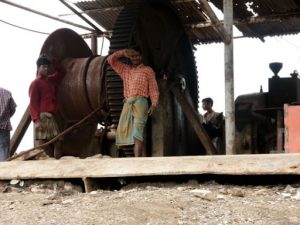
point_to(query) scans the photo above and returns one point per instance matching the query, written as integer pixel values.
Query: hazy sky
(19, 50)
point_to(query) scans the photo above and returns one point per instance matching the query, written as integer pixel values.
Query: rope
(23, 28)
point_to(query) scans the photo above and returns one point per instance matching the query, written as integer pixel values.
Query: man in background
(139, 84)
(43, 104)
(7, 110)
(213, 123)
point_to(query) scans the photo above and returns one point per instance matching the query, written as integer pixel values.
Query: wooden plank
(20, 132)
(268, 164)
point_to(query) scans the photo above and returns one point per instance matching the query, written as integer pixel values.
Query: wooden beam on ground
(260, 164)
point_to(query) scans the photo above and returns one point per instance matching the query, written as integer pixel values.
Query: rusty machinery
(91, 83)
(259, 116)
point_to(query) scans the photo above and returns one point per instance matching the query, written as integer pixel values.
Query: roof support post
(94, 44)
(229, 79)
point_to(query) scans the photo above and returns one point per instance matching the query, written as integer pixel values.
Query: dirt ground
(60, 202)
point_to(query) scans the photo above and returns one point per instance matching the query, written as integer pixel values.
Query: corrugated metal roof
(105, 13)
(256, 18)
(260, 18)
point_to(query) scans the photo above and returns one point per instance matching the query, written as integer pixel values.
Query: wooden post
(94, 44)
(193, 118)
(19, 132)
(279, 124)
(229, 80)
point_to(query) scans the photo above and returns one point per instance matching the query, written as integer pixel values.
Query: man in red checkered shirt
(7, 110)
(139, 84)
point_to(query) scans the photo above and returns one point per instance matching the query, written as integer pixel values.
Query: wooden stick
(19, 132)
(58, 136)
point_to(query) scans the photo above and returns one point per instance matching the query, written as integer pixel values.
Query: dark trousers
(4, 144)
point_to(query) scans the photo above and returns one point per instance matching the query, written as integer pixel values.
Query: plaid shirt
(7, 109)
(138, 81)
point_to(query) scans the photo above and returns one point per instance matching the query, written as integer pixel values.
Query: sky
(20, 48)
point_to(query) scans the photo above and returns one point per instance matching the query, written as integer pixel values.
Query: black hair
(208, 100)
(136, 48)
(42, 60)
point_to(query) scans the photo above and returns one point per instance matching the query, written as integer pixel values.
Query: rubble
(62, 202)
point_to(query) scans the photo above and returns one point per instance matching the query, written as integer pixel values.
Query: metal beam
(250, 20)
(46, 15)
(106, 34)
(218, 26)
(119, 8)
(183, 1)
(82, 17)
(116, 8)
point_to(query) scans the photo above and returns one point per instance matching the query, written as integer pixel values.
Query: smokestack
(275, 67)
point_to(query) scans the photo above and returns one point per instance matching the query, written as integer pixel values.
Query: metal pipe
(46, 15)
(229, 80)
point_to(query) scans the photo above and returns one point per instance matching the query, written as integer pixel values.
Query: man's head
(42, 65)
(135, 55)
(207, 103)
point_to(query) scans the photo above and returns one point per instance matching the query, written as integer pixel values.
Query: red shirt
(42, 92)
(138, 81)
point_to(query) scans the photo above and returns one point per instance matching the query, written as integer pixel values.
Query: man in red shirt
(139, 84)
(43, 104)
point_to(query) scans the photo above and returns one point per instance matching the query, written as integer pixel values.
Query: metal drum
(81, 90)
